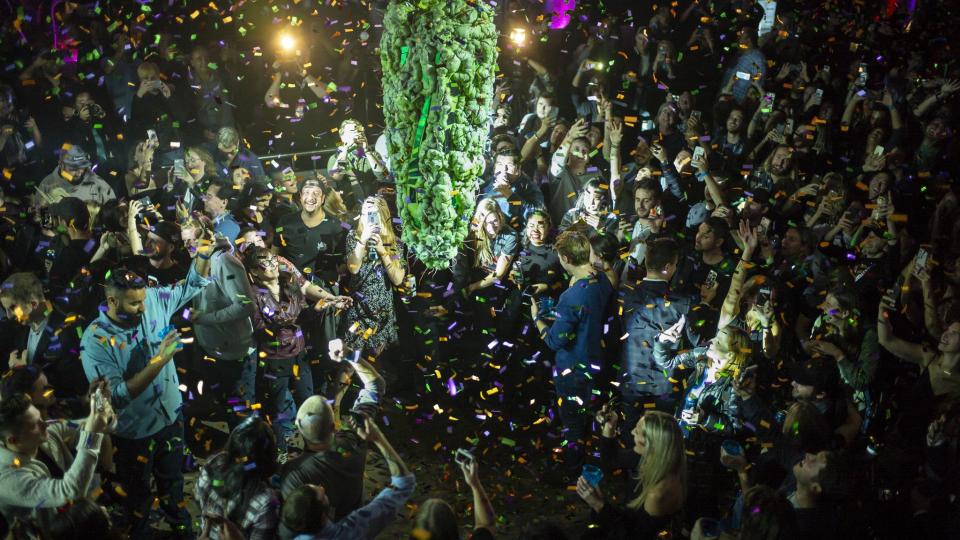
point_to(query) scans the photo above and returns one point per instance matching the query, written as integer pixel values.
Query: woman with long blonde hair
(661, 477)
(375, 260)
(491, 247)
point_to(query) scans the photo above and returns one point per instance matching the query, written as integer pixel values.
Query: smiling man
(131, 345)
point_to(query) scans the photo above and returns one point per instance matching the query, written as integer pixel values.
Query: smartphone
(697, 153)
(463, 457)
(743, 75)
(335, 348)
(152, 137)
(923, 257)
(554, 113)
(818, 96)
(592, 98)
(372, 219)
(763, 296)
(696, 115)
(647, 125)
(711, 279)
(179, 169)
(764, 226)
(878, 150)
(862, 75)
(826, 69)
(99, 401)
(767, 105)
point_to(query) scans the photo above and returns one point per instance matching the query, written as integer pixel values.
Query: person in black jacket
(45, 336)
(650, 307)
(156, 107)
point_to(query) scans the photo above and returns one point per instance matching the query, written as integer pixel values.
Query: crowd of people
(710, 288)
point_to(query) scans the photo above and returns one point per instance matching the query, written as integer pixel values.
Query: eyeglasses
(269, 263)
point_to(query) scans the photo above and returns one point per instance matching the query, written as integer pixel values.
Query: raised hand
(749, 237)
(616, 132)
(672, 334)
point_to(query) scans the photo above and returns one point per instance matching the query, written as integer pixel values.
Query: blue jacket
(578, 329)
(118, 353)
(649, 307)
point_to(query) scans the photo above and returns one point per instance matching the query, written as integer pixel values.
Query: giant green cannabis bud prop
(438, 59)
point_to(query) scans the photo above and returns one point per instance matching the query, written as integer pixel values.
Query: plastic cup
(592, 474)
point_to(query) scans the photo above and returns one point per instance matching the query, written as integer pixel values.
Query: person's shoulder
(287, 217)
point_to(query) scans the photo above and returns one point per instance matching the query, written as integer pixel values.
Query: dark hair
(835, 479)
(719, 228)
(807, 236)
(243, 246)
(12, 409)
(541, 212)
(438, 520)
(303, 512)
(767, 515)
(606, 246)
(108, 218)
(649, 184)
(79, 519)
(121, 280)
(20, 380)
(543, 530)
(660, 253)
(226, 191)
(810, 430)
(242, 469)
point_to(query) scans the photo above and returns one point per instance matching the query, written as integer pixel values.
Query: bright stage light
(287, 43)
(518, 36)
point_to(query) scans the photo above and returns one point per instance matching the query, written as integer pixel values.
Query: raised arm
(901, 348)
(484, 516)
(732, 301)
(272, 97)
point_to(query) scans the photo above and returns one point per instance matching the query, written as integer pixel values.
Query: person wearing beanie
(75, 174)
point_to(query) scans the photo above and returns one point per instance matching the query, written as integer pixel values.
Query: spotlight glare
(518, 36)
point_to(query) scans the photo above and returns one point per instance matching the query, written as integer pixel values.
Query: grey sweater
(223, 328)
(26, 483)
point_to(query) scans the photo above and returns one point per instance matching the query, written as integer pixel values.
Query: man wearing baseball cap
(818, 382)
(71, 219)
(334, 457)
(74, 174)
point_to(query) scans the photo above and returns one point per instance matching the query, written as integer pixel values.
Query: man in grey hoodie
(221, 317)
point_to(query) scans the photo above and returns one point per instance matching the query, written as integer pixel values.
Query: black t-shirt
(163, 276)
(540, 264)
(316, 250)
(69, 259)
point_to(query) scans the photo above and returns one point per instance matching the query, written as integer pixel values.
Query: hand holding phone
(463, 456)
